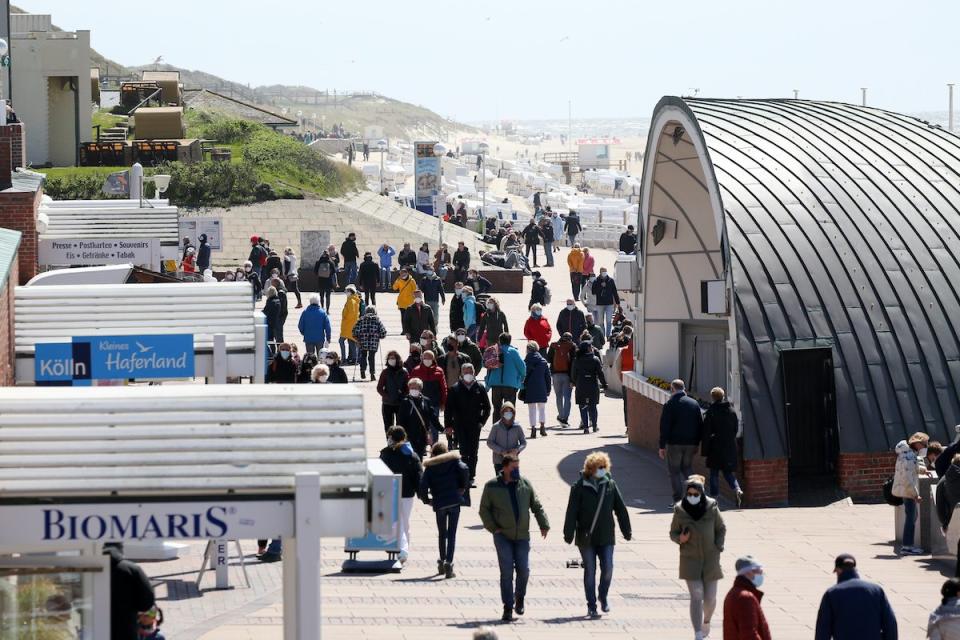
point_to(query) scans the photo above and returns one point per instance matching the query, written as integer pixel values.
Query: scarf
(695, 511)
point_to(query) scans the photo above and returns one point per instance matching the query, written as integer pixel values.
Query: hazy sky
(524, 59)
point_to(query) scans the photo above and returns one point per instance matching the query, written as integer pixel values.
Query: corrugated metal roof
(112, 221)
(9, 243)
(844, 230)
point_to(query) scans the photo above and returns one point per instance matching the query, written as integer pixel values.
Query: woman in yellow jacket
(575, 263)
(351, 313)
(405, 285)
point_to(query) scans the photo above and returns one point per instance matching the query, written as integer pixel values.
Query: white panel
(661, 350)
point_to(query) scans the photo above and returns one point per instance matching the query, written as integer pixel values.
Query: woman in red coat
(743, 618)
(537, 328)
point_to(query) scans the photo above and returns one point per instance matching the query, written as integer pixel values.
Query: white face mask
(468, 378)
(490, 307)
(414, 393)
(461, 339)
(600, 473)
(508, 415)
(285, 355)
(428, 361)
(392, 362)
(418, 300)
(922, 453)
(693, 500)
(571, 307)
(425, 342)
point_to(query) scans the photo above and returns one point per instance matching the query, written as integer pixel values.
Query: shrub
(225, 130)
(211, 184)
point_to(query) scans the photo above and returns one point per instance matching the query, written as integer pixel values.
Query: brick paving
(797, 546)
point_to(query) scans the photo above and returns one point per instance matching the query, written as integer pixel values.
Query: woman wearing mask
(443, 485)
(392, 387)
(404, 285)
(428, 342)
(400, 458)
(452, 360)
(418, 417)
(586, 376)
(337, 374)
(351, 314)
(291, 274)
(413, 358)
(906, 485)
(536, 389)
(506, 436)
(306, 368)
(469, 312)
(320, 374)
(698, 529)
(593, 502)
(247, 273)
(494, 323)
(272, 310)
(282, 370)
(434, 382)
(588, 297)
(538, 329)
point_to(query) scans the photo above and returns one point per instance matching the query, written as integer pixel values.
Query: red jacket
(743, 618)
(434, 383)
(626, 359)
(538, 330)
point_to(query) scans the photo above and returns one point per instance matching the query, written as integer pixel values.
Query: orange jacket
(575, 261)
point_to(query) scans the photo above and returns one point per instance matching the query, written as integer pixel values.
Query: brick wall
(862, 475)
(765, 482)
(7, 353)
(18, 211)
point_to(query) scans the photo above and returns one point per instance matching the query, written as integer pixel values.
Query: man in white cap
(742, 615)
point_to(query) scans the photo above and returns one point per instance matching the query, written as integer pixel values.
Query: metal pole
(863, 96)
(950, 108)
(381, 171)
(796, 93)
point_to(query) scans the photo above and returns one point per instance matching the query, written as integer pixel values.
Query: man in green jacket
(505, 508)
(593, 501)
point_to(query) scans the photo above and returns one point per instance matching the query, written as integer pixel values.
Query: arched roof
(842, 224)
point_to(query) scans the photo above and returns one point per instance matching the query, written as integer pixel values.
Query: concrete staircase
(375, 219)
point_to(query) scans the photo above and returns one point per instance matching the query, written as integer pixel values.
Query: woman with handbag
(594, 500)
(418, 417)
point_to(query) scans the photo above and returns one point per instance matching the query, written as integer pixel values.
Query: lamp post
(439, 151)
(382, 146)
(3, 107)
(484, 147)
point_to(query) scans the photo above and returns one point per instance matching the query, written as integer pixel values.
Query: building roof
(25, 181)
(9, 244)
(843, 229)
(206, 99)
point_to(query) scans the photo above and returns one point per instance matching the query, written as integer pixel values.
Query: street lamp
(439, 151)
(484, 148)
(4, 48)
(382, 145)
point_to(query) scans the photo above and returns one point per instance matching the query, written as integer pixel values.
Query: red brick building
(20, 195)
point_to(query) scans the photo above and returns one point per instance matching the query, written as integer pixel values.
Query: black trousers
(391, 415)
(368, 358)
(469, 448)
(370, 295)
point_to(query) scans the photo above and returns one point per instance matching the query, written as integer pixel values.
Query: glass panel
(42, 604)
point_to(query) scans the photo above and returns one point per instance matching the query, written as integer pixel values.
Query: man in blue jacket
(854, 608)
(314, 326)
(681, 429)
(386, 253)
(505, 380)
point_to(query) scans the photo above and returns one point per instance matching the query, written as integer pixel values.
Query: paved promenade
(797, 546)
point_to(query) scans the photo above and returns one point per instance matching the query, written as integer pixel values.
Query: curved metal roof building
(835, 227)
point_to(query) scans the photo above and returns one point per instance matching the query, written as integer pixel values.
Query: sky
(483, 60)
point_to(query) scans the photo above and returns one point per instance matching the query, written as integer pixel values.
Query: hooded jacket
(944, 623)
(503, 438)
(392, 385)
(469, 312)
(400, 458)
(432, 288)
(512, 369)
(948, 494)
(854, 609)
(575, 260)
(444, 482)
(351, 313)
(906, 475)
(743, 618)
(470, 349)
(314, 325)
(130, 593)
(584, 503)
(495, 323)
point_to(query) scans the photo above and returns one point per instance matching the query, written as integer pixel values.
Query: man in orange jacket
(575, 264)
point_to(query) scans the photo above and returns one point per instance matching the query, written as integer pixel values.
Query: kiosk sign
(114, 358)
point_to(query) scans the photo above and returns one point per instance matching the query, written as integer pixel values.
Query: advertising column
(426, 177)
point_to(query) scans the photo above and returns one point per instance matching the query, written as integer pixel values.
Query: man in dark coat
(461, 262)
(720, 426)
(681, 431)
(456, 307)
(628, 241)
(854, 609)
(350, 254)
(571, 319)
(203, 254)
(418, 417)
(418, 318)
(400, 458)
(469, 348)
(369, 277)
(945, 459)
(948, 497)
(407, 257)
(468, 409)
(130, 593)
(586, 375)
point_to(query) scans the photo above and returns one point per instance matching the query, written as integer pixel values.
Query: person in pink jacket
(588, 263)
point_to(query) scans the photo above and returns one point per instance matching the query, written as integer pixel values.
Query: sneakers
(739, 498)
(519, 608)
(593, 614)
(448, 570)
(543, 430)
(403, 557)
(698, 635)
(604, 606)
(563, 422)
(507, 615)
(911, 551)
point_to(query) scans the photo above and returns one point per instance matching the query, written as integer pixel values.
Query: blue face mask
(515, 473)
(757, 580)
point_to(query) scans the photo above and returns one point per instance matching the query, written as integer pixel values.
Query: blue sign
(426, 177)
(114, 358)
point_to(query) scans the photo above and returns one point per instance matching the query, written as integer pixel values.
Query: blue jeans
(910, 510)
(715, 481)
(384, 277)
(447, 532)
(605, 319)
(562, 390)
(512, 555)
(588, 415)
(589, 556)
(350, 270)
(348, 350)
(548, 249)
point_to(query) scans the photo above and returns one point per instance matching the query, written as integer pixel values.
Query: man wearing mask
(469, 348)
(350, 254)
(596, 333)
(571, 320)
(432, 287)
(605, 289)
(418, 318)
(560, 358)
(468, 409)
(505, 507)
(203, 254)
(407, 258)
(628, 241)
(461, 261)
(742, 615)
(477, 282)
(456, 308)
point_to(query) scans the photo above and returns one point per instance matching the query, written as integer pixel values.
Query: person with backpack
(326, 271)
(593, 502)
(586, 373)
(401, 459)
(258, 256)
(539, 291)
(560, 357)
(444, 486)
(505, 371)
(536, 389)
(291, 274)
(493, 324)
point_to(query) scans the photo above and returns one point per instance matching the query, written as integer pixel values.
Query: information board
(142, 252)
(85, 359)
(193, 227)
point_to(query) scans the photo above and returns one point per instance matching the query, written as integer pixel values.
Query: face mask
(414, 393)
(571, 307)
(459, 292)
(461, 339)
(534, 314)
(468, 378)
(285, 355)
(603, 274)
(418, 300)
(247, 269)
(508, 415)
(392, 362)
(490, 307)
(693, 500)
(404, 277)
(600, 473)
(428, 361)
(425, 342)
(515, 473)
(757, 580)
(328, 360)
(322, 379)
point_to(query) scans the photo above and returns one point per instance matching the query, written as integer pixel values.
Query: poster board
(210, 225)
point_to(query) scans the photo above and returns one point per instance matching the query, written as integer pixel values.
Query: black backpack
(888, 496)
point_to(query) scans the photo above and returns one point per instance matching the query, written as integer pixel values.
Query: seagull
(143, 349)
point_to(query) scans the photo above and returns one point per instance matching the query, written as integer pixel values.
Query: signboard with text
(426, 180)
(193, 227)
(142, 252)
(85, 359)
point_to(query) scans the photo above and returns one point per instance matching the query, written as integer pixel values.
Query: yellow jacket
(351, 313)
(406, 289)
(575, 261)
